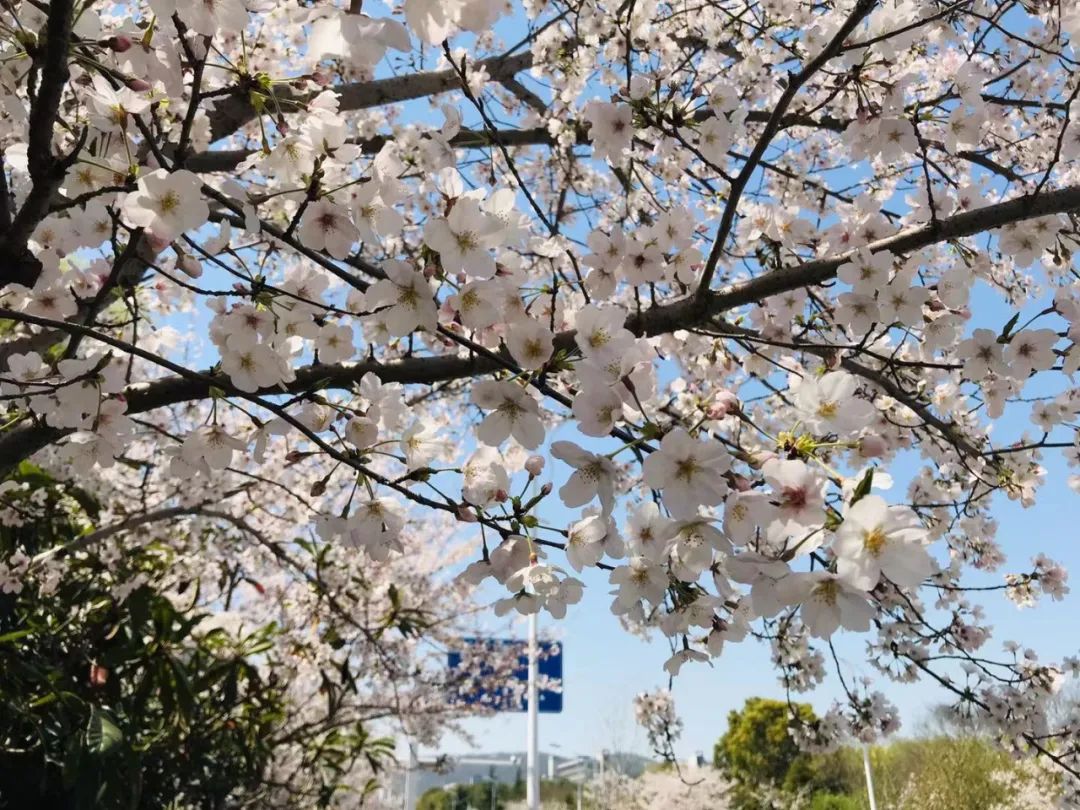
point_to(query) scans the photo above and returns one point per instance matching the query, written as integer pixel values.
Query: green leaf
(1007, 331)
(102, 735)
(87, 501)
(15, 635)
(863, 488)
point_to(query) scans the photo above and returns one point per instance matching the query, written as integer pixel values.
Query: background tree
(758, 750)
(133, 676)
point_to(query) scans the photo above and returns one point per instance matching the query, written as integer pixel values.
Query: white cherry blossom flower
(361, 432)
(478, 304)
(597, 409)
(407, 297)
(335, 343)
(328, 226)
(464, 239)
(589, 539)
(692, 545)
(798, 495)
(211, 444)
(166, 204)
(688, 473)
(745, 514)
(611, 129)
(828, 602)
(877, 540)
(253, 368)
(594, 476)
(828, 404)
(421, 444)
(514, 412)
(982, 354)
(484, 477)
(1030, 350)
(648, 532)
(530, 343)
(641, 578)
(600, 333)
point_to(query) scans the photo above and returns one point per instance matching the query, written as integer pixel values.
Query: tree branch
(20, 442)
(774, 124)
(46, 172)
(231, 113)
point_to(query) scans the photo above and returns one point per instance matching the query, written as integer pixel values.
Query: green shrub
(757, 748)
(435, 799)
(833, 801)
(939, 773)
(121, 703)
(139, 700)
(835, 772)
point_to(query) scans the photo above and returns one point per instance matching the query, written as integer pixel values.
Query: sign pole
(869, 776)
(410, 778)
(532, 790)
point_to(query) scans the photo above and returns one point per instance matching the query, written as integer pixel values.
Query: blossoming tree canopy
(783, 290)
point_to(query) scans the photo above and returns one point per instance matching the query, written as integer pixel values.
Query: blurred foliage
(940, 774)
(833, 801)
(479, 795)
(113, 695)
(935, 773)
(757, 751)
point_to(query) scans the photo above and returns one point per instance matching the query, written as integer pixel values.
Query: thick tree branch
(21, 442)
(46, 171)
(232, 112)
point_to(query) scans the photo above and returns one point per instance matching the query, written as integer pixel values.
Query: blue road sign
(479, 682)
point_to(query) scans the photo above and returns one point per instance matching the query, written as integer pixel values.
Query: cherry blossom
(689, 473)
(514, 412)
(463, 240)
(594, 477)
(279, 271)
(828, 602)
(829, 404)
(407, 299)
(327, 226)
(166, 204)
(877, 540)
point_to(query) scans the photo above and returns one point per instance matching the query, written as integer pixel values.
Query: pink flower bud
(320, 78)
(466, 515)
(190, 265)
(119, 43)
(762, 457)
(462, 278)
(99, 675)
(156, 243)
(138, 85)
(501, 495)
(872, 446)
(723, 404)
(545, 490)
(741, 482)
(534, 465)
